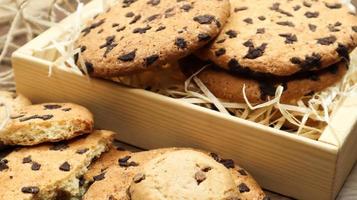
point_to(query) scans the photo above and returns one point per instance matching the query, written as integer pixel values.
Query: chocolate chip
(65, 167)
(87, 30)
(206, 169)
(142, 30)
(27, 159)
(313, 61)
(43, 117)
(3, 165)
(169, 12)
(153, 2)
(89, 67)
(327, 40)
(333, 5)
(128, 57)
(115, 25)
(243, 188)
(203, 37)
(354, 28)
(240, 9)
(127, 3)
(312, 27)
(135, 19)
(151, 59)
(181, 43)
(82, 151)
(120, 28)
(307, 4)
(83, 48)
(138, 178)
(186, 7)
(286, 23)
(129, 14)
(220, 52)
(343, 51)
(266, 89)
(30, 190)
(231, 33)
(109, 45)
(204, 19)
(35, 166)
(297, 7)
(289, 38)
(152, 17)
(52, 106)
(261, 18)
(228, 163)
(276, 8)
(160, 28)
(260, 30)
(123, 162)
(248, 20)
(215, 157)
(59, 146)
(242, 172)
(312, 14)
(257, 52)
(99, 177)
(200, 177)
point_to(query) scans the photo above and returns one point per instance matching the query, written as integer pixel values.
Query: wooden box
(281, 162)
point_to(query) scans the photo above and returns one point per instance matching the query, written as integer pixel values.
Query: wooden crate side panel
(294, 167)
(347, 157)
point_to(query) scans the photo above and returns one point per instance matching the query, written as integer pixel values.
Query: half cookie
(283, 38)
(50, 171)
(49, 122)
(228, 85)
(135, 36)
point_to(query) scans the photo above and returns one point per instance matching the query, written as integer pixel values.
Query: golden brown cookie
(50, 171)
(50, 122)
(262, 87)
(137, 35)
(284, 37)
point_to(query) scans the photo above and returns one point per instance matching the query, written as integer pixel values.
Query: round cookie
(262, 87)
(138, 35)
(183, 174)
(50, 122)
(283, 37)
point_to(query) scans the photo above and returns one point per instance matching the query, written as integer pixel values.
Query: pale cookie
(113, 182)
(183, 174)
(284, 37)
(50, 122)
(50, 171)
(261, 87)
(137, 35)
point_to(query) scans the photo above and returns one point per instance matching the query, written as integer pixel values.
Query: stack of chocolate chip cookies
(58, 155)
(46, 148)
(256, 45)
